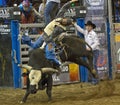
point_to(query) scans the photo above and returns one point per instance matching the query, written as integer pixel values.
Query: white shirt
(57, 1)
(90, 37)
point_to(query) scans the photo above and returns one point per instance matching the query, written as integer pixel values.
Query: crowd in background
(40, 9)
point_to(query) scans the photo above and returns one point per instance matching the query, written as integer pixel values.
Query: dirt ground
(105, 93)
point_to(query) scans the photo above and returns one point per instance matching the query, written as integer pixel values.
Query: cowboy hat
(91, 24)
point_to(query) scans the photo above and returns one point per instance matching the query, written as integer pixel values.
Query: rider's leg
(26, 40)
(56, 65)
(38, 43)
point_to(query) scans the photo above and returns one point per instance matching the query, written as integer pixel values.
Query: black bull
(37, 60)
(73, 49)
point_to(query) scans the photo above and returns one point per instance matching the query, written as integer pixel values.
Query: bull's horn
(26, 67)
(44, 70)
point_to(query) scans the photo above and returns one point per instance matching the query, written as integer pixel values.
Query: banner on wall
(96, 7)
(5, 13)
(69, 74)
(10, 13)
(117, 41)
(5, 29)
(6, 74)
(116, 10)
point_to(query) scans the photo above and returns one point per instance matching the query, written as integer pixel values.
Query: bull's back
(38, 60)
(76, 44)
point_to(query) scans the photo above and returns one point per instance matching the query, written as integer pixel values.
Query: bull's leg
(25, 97)
(87, 63)
(27, 91)
(83, 62)
(49, 88)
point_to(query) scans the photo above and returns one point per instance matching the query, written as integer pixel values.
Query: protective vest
(50, 27)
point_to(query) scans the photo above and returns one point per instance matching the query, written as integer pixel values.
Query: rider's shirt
(50, 27)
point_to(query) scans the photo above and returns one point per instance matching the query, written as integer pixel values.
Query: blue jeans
(50, 11)
(95, 57)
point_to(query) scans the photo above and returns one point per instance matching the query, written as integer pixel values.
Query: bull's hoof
(21, 102)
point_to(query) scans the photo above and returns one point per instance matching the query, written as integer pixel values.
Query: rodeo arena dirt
(105, 93)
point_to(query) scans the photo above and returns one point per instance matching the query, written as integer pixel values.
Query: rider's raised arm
(64, 8)
(81, 30)
(36, 13)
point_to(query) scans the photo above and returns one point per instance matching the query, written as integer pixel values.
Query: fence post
(15, 53)
(112, 42)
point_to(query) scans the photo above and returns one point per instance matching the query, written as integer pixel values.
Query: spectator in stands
(51, 10)
(28, 12)
(42, 8)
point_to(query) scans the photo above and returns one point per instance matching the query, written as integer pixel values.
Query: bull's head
(35, 76)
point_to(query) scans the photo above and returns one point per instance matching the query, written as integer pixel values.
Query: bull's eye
(33, 78)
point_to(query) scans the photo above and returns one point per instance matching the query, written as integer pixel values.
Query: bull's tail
(44, 70)
(86, 44)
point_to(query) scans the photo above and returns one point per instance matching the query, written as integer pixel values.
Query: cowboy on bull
(54, 28)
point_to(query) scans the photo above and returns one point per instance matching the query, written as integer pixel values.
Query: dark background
(6, 76)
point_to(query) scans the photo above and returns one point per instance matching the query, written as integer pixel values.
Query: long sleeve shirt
(90, 37)
(41, 9)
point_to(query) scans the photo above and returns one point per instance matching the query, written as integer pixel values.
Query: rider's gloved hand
(26, 40)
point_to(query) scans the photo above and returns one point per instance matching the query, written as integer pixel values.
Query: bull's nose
(33, 89)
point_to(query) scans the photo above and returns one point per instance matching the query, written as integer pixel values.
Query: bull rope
(64, 49)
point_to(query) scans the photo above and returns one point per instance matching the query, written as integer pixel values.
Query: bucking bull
(73, 49)
(69, 48)
(39, 75)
